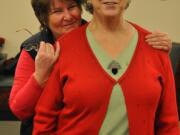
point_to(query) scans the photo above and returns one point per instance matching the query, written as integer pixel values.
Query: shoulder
(77, 35)
(154, 56)
(43, 35)
(33, 39)
(32, 43)
(140, 28)
(142, 44)
(142, 32)
(78, 32)
(72, 44)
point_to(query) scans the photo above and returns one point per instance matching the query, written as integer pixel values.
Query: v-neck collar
(103, 59)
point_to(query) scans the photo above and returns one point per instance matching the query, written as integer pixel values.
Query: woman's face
(64, 16)
(109, 7)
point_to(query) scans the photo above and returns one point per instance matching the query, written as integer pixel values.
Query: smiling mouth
(110, 3)
(70, 24)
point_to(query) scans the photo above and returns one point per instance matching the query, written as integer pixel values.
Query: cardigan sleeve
(167, 119)
(48, 106)
(25, 91)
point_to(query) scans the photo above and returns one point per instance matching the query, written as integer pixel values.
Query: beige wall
(157, 14)
(14, 15)
(161, 15)
(152, 14)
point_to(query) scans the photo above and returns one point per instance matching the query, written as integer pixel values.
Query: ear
(127, 5)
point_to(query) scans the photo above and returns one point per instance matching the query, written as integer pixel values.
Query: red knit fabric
(76, 97)
(25, 91)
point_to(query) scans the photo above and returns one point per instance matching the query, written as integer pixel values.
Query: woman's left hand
(159, 40)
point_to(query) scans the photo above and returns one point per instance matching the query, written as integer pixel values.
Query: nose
(67, 15)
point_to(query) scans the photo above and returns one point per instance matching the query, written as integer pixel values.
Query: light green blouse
(116, 120)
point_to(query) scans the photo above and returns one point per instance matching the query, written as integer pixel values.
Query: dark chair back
(175, 55)
(175, 60)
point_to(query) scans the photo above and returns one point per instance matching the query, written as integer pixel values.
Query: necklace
(114, 66)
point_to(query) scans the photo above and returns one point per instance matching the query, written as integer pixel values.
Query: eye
(70, 7)
(56, 11)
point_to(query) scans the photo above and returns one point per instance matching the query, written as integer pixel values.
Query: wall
(15, 15)
(157, 14)
(161, 15)
(152, 14)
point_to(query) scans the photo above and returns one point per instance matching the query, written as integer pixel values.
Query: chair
(175, 56)
(175, 60)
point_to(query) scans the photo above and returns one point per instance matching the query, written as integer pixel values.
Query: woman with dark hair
(57, 17)
(108, 81)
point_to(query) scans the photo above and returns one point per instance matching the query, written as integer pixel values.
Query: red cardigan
(76, 97)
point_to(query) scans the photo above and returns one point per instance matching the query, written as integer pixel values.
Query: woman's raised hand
(44, 61)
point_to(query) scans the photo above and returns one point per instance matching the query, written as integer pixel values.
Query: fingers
(156, 36)
(159, 40)
(56, 55)
(165, 48)
(41, 51)
(163, 44)
(42, 47)
(47, 51)
(46, 48)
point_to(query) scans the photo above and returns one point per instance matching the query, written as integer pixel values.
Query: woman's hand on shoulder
(159, 40)
(44, 61)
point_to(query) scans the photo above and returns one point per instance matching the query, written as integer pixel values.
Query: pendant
(114, 66)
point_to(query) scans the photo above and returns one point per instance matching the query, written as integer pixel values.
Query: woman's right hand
(44, 61)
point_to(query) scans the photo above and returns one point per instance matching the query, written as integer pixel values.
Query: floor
(9, 127)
